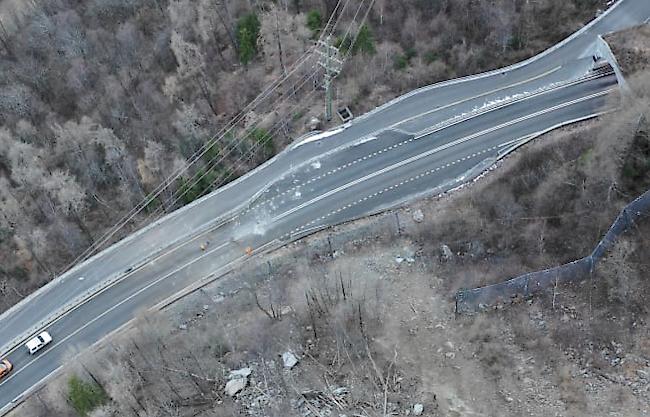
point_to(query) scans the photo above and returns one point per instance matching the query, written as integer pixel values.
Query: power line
(323, 33)
(220, 157)
(250, 155)
(330, 27)
(195, 157)
(335, 72)
(212, 163)
(329, 71)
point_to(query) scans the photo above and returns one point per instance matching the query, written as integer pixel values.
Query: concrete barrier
(604, 51)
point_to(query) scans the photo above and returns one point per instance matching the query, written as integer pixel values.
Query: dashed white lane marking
(494, 128)
(377, 193)
(110, 309)
(394, 127)
(559, 106)
(330, 172)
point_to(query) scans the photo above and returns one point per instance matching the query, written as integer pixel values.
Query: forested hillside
(100, 100)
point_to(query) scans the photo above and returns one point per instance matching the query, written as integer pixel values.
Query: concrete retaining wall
(604, 51)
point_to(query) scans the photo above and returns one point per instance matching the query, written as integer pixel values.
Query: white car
(38, 342)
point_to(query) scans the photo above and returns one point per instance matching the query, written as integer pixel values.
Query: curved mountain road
(428, 141)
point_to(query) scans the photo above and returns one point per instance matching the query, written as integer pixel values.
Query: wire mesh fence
(524, 286)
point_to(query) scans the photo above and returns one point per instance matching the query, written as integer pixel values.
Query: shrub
(365, 42)
(248, 30)
(314, 21)
(85, 396)
(402, 61)
(264, 138)
(635, 170)
(19, 273)
(153, 205)
(516, 43)
(431, 57)
(5, 234)
(200, 184)
(343, 44)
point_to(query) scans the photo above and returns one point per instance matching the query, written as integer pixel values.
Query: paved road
(429, 141)
(560, 64)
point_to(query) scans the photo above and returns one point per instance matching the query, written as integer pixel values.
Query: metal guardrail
(67, 308)
(513, 100)
(81, 299)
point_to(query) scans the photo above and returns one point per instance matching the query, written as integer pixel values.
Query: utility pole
(329, 60)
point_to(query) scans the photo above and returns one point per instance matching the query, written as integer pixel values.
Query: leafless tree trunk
(277, 37)
(206, 94)
(4, 40)
(227, 25)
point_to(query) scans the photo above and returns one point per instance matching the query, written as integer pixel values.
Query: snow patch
(363, 140)
(323, 135)
(490, 105)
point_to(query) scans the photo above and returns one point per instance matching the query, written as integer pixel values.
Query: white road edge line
(464, 118)
(21, 397)
(435, 150)
(446, 106)
(98, 289)
(13, 374)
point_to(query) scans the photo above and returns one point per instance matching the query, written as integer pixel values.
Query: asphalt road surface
(428, 141)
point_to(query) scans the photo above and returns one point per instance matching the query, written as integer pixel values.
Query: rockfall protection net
(524, 286)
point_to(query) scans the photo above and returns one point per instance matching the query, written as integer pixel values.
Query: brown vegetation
(632, 48)
(367, 308)
(101, 100)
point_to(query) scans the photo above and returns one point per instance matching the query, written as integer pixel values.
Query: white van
(37, 343)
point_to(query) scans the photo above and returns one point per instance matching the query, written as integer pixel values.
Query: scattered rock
(286, 310)
(238, 381)
(476, 249)
(235, 385)
(314, 123)
(399, 260)
(240, 373)
(418, 216)
(418, 409)
(447, 254)
(289, 360)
